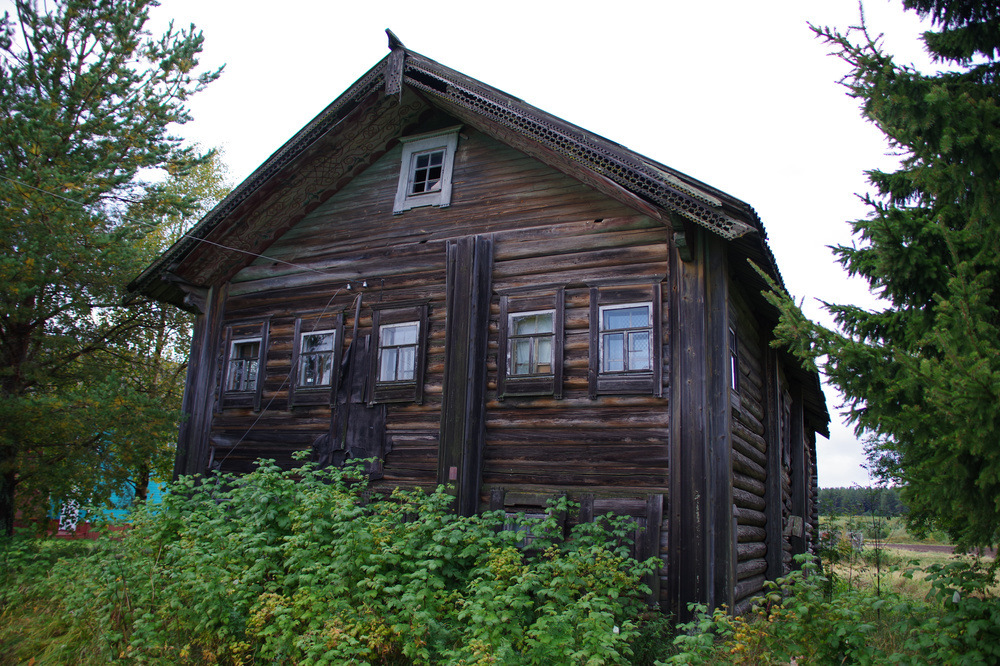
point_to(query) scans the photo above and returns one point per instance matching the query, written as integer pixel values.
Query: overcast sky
(740, 95)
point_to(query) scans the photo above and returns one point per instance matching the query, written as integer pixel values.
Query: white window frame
(300, 378)
(602, 332)
(233, 360)
(446, 140)
(416, 352)
(512, 338)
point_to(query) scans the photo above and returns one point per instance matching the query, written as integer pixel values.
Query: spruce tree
(88, 98)
(921, 372)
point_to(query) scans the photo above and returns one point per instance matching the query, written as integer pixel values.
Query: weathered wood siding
(547, 229)
(613, 443)
(749, 441)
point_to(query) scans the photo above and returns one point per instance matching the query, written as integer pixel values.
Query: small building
(470, 291)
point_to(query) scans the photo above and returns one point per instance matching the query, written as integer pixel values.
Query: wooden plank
(772, 478)
(463, 417)
(651, 544)
(800, 477)
(719, 501)
(200, 389)
(688, 577)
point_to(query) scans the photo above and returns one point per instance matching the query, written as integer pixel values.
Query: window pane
(314, 342)
(243, 365)
(427, 172)
(614, 352)
(250, 377)
(638, 350)
(405, 363)
(235, 375)
(401, 334)
(325, 377)
(387, 365)
(543, 355)
(309, 370)
(521, 357)
(316, 369)
(619, 318)
(246, 350)
(536, 323)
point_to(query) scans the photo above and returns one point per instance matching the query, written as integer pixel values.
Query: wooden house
(473, 292)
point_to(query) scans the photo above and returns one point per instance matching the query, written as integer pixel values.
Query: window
(244, 359)
(243, 370)
(397, 352)
(531, 343)
(316, 357)
(626, 333)
(399, 334)
(626, 340)
(426, 169)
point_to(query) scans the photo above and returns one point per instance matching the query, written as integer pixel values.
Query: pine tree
(921, 374)
(87, 99)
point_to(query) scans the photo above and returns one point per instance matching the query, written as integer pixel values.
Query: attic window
(425, 171)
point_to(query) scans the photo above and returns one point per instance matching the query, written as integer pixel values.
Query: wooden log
(750, 568)
(746, 466)
(748, 450)
(750, 551)
(752, 413)
(749, 500)
(757, 441)
(749, 484)
(750, 586)
(750, 517)
(748, 533)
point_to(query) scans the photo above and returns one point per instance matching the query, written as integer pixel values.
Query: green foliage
(921, 375)
(88, 97)
(857, 500)
(967, 631)
(801, 621)
(306, 567)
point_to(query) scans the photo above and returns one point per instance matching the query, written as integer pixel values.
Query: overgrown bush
(797, 621)
(303, 567)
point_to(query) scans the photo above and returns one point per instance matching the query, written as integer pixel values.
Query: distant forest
(857, 501)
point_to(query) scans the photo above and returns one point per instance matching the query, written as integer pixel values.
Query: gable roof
(234, 236)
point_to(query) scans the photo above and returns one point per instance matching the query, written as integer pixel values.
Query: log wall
(548, 231)
(750, 448)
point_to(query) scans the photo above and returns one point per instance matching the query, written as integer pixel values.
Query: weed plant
(805, 618)
(304, 567)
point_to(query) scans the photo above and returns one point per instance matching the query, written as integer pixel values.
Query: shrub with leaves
(306, 567)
